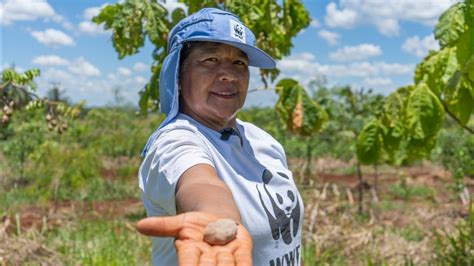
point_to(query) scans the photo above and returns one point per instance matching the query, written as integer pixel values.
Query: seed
(50, 127)
(54, 122)
(64, 127)
(12, 103)
(48, 117)
(220, 232)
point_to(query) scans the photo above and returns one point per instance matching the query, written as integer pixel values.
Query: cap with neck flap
(210, 25)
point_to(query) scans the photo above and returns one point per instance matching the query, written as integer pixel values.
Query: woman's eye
(240, 62)
(210, 59)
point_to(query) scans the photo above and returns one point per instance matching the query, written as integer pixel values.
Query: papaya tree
(273, 22)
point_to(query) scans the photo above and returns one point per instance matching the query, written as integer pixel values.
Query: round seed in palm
(220, 232)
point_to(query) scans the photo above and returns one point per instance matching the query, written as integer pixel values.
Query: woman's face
(214, 82)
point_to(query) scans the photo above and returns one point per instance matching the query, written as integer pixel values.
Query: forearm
(211, 197)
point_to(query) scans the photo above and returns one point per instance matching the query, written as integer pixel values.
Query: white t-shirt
(253, 165)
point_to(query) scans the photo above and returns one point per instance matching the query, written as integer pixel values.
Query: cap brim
(257, 57)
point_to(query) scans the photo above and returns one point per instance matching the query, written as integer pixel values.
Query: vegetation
(68, 179)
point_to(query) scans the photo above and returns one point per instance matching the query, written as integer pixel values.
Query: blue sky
(363, 43)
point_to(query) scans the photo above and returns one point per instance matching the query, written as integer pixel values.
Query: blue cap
(210, 25)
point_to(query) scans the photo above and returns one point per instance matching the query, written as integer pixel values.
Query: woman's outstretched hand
(188, 229)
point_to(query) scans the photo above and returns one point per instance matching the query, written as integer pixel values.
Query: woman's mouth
(225, 95)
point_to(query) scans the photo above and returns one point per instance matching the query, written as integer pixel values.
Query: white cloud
(56, 75)
(377, 82)
(315, 23)
(53, 38)
(387, 27)
(331, 38)
(18, 10)
(420, 47)
(89, 27)
(307, 68)
(345, 18)
(141, 80)
(50, 60)
(96, 90)
(140, 67)
(29, 10)
(10, 65)
(82, 67)
(353, 53)
(91, 12)
(384, 15)
(123, 71)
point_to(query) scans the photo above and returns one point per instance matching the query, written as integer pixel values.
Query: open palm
(188, 229)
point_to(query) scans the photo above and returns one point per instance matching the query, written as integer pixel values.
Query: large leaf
(393, 119)
(425, 113)
(465, 51)
(437, 69)
(460, 101)
(300, 113)
(450, 25)
(369, 143)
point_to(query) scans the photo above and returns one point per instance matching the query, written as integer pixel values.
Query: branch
(468, 129)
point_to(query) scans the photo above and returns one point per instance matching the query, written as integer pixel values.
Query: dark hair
(185, 52)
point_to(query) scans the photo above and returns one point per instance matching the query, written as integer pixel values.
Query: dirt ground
(390, 228)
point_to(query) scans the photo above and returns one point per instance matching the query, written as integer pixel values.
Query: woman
(203, 164)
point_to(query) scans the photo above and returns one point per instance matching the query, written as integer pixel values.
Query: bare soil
(390, 229)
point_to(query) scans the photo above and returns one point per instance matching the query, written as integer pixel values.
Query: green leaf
(369, 143)
(450, 25)
(299, 112)
(460, 102)
(465, 51)
(437, 69)
(419, 148)
(425, 113)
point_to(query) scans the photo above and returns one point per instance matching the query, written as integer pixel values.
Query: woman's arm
(200, 189)
(201, 198)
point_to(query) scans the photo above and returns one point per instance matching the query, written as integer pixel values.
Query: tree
(301, 115)
(132, 21)
(411, 117)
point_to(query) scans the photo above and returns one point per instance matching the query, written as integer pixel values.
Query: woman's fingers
(243, 256)
(208, 258)
(161, 226)
(188, 252)
(225, 258)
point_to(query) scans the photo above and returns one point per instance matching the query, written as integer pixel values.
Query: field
(65, 211)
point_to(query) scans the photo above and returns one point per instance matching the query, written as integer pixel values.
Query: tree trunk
(373, 189)
(306, 171)
(361, 187)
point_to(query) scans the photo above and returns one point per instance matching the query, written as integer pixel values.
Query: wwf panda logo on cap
(237, 30)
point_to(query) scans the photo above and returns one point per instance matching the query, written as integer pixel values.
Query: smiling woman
(214, 83)
(203, 164)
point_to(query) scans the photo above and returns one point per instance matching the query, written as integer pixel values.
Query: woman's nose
(228, 72)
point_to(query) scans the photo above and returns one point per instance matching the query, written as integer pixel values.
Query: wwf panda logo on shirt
(285, 220)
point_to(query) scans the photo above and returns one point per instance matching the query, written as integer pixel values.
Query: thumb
(168, 226)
